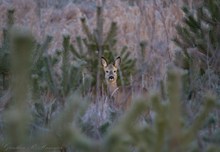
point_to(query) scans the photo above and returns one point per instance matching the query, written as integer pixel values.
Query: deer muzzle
(111, 78)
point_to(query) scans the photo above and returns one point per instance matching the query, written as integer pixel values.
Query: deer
(120, 97)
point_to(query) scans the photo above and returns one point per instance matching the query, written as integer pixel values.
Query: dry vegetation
(77, 120)
(150, 21)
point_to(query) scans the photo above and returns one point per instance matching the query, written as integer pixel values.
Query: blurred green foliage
(198, 40)
(198, 37)
(167, 132)
(5, 53)
(199, 54)
(34, 121)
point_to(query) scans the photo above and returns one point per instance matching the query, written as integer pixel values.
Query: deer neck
(112, 87)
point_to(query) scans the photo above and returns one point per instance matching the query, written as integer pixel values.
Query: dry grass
(152, 21)
(147, 21)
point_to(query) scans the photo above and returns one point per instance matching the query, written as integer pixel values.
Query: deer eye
(106, 71)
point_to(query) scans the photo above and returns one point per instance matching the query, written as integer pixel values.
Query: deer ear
(117, 62)
(104, 62)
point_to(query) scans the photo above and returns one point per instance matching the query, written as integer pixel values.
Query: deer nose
(111, 77)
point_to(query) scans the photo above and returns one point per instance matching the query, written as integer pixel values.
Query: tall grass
(68, 120)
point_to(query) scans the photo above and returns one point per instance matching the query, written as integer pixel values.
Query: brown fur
(119, 96)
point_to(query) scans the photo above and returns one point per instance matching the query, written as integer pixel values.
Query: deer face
(111, 70)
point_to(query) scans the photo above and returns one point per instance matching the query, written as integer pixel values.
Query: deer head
(111, 70)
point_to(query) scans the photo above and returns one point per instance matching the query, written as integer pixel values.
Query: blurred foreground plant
(199, 54)
(168, 132)
(17, 116)
(198, 37)
(198, 40)
(5, 53)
